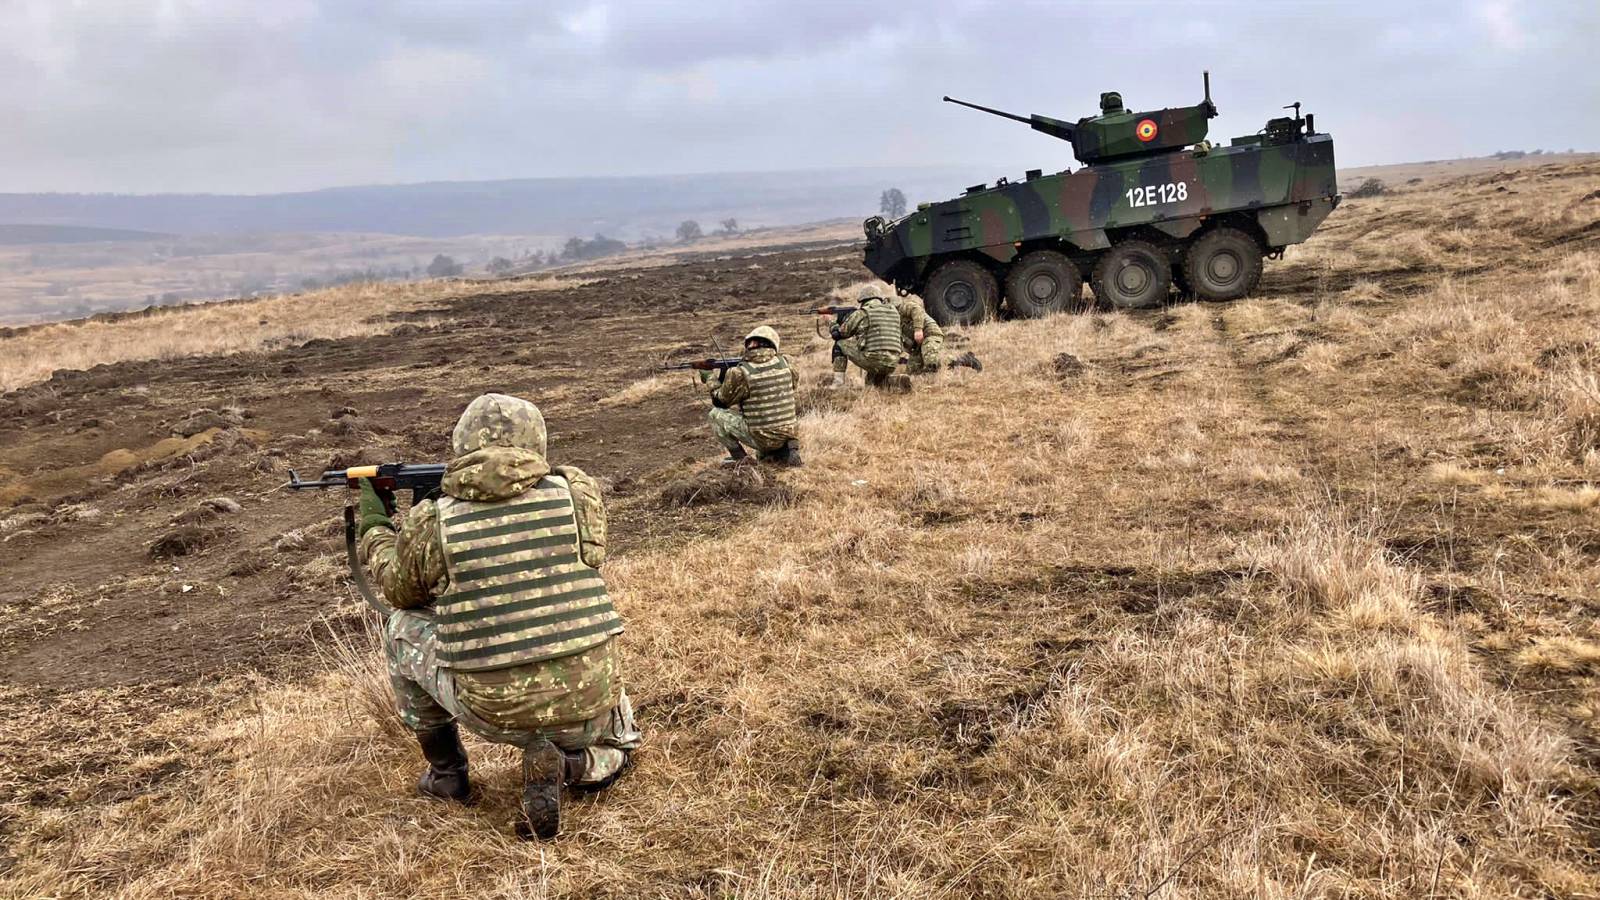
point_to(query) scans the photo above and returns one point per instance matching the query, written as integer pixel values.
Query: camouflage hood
(499, 445)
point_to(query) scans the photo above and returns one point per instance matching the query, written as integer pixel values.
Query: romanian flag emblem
(1146, 130)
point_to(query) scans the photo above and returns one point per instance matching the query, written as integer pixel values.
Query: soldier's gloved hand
(835, 333)
(373, 510)
(705, 376)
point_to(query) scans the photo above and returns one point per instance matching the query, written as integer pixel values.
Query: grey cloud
(236, 95)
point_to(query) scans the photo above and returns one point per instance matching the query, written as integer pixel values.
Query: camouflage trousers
(732, 430)
(877, 368)
(925, 360)
(532, 705)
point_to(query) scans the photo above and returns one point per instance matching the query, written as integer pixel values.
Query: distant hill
(630, 207)
(72, 234)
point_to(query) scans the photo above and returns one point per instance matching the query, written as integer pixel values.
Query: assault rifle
(839, 313)
(720, 365)
(422, 480)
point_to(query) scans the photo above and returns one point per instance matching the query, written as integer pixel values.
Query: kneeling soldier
(502, 622)
(870, 338)
(762, 387)
(920, 336)
(923, 340)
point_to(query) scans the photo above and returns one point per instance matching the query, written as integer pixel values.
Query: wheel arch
(932, 264)
(1239, 221)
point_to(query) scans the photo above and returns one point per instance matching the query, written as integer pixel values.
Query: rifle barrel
(406, 476)
(703, 364)
(324, 481)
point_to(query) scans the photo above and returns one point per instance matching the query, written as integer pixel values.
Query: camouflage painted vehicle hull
(1131, 227)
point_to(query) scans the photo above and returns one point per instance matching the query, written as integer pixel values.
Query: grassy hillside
(72, 234)
(1290, 597)
(621, 207)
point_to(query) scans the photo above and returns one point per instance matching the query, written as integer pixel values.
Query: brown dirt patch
(333, 402)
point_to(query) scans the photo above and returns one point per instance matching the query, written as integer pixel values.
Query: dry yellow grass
(1455, 474)
(1199, 621)
(224, 327)
(1429, 175)
(845, 702)
(648, 387)
(1570, 500)
(1561, 654)
(49, 282)
(764, 239)
(217, 329)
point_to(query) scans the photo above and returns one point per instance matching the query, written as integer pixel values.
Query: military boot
(967, 359)
(898, 384)
(446, 777)
(735, 456)
(544, 769)
(786, 455)
(611, 761)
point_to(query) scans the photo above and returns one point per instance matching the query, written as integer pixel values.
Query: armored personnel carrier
(1156, 206)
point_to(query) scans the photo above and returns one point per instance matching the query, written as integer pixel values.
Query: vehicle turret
(1157, 208)
(1117, 133)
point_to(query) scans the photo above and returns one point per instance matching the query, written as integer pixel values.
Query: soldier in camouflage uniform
(920, 336)
(762, 388)
(870, 338)
(923, 340)
(502, 622)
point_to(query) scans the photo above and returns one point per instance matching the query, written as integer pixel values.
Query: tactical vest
(882, 331)
(771, 400)
(518, 591)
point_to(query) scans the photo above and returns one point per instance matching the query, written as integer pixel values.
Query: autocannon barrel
(1053, 127)
(992, 112)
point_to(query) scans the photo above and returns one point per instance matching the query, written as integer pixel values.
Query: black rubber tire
(1043, 283)
(1180, 284)
(1133, 275)
(961, 292)
(1224, 264)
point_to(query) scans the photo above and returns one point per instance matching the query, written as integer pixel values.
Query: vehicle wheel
(1224, 264)
(1043, 283)
(961, 292)
(1133, 275)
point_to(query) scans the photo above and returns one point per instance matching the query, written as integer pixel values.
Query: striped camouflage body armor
(771, 400)
(519, 593)
(882, 330)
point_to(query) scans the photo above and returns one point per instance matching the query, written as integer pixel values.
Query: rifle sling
(358, 572)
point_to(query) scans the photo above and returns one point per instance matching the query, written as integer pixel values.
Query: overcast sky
(270, 95)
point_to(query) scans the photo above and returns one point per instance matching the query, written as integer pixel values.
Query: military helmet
(766, 333)
(498, 420)
(871, 291)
